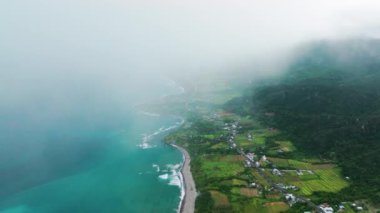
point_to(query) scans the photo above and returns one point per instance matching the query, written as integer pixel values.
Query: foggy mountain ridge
(73, 71)
(328, 103)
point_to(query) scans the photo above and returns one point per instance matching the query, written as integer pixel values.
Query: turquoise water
(123, 178)
(112, 161)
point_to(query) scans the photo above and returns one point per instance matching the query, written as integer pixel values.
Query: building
(257, 164)
(326, 208)
(250, 156)
(299, 172)
(290, 198)
(276, 172)
(264, 158)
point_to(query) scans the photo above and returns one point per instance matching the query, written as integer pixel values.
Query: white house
(326, 208)
(264, 158)
(276, 172)
(290, 198)
(257, 164)
(250, 156)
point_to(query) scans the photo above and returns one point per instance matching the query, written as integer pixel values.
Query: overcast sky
(50, 43)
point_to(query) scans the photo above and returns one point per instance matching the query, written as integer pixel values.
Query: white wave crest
(157, 167)
(145, 145)
(164, 176)
(148, 137)
(172, 167)
(150, 114)
(174, 178)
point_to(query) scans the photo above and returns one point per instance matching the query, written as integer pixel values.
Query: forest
(328, 103)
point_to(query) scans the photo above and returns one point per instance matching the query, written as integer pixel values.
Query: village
(242, 165)
(256, 161)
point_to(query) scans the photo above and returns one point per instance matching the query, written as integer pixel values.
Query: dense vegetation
(328, 102)
(222, 179)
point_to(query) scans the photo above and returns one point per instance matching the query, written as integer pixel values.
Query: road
(188, 202)
(269, 180)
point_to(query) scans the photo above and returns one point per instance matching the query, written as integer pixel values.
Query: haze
(68, 55)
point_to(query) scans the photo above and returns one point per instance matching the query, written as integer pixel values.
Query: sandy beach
(188, 202)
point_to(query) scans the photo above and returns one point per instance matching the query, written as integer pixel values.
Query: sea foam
(164, 176)
(174, 177)
(146, 138)
(157, 167)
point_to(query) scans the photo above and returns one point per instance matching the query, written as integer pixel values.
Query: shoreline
(187, 204)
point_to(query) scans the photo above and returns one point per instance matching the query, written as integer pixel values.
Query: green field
(259, 179)
(322, 177)
(221, 146)
(216, 166)
(220, 199)
(224, 181)
(285, 146)
(296, 164)
(329, 180)
(234, 182)
(259, 138)
(262, 206)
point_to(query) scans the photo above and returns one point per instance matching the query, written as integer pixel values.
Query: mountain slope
(329, 103)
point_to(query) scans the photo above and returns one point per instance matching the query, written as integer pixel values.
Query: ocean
(109, 162)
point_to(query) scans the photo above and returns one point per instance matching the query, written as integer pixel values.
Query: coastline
(187, 204)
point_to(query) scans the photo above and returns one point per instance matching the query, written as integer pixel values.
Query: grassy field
(216, 166)
(221, 146)
(223, 179)
(259, 179)
(329, 180)
(234, 182)
(249, 192)
(220, 199)
(259, 138)
(296, 164)
(242, 141)
(315, 177)
(262, 206)
(285, 146)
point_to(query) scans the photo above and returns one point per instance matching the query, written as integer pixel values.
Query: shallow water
(123, 178)
(81, 166)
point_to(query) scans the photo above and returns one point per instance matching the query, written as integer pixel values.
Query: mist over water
(72, 73)
(89, 160)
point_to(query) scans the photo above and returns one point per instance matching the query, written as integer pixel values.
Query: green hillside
(328, 102)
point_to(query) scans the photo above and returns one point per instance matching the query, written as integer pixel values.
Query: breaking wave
(174, 177)
(157, 167)
(148, 137)
(150, 114)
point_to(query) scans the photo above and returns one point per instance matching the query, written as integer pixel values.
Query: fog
(67, 55)
(86, 63)
(107, 41)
